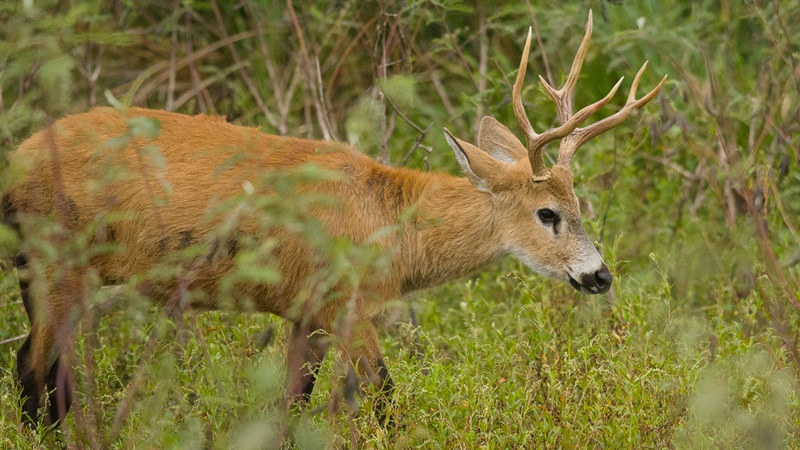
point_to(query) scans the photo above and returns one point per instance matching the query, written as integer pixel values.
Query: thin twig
(417, 144)
(283, 94)
(173, 54)
(238, 61)
(409, 121)
(204, 102)
(13, 339)
(327, 132)
(323, 104)
(91, 71)
(483, 64)
(379, 58)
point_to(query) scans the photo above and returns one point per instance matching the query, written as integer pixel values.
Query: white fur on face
(538, 267)
(587, 261)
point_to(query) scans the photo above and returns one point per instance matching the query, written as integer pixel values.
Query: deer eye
(547, 216)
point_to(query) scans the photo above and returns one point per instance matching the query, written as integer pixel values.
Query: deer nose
(603, 279)
(598, 282)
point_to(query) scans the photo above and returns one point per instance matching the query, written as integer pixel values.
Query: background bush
(695, 204)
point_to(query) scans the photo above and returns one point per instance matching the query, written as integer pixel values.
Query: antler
(580, 136)
(575, 137)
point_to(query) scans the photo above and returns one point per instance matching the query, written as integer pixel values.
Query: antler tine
(573, 121)
(563, 97)
(533, 140)
(646, 99)
(519, 110)
(578, 137)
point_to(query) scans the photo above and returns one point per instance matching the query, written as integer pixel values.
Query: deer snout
(598, 282)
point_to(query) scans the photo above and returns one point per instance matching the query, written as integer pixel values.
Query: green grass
(510, 361)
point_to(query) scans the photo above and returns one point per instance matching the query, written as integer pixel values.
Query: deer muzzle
(597, 282)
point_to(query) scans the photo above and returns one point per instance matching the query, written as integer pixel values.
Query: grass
(510, 361)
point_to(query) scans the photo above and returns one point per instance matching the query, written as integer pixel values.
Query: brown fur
(456, 229)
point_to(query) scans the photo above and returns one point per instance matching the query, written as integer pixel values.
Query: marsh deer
(510, 202)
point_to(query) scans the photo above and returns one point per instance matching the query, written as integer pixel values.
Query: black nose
(603, 279)
(597, 283)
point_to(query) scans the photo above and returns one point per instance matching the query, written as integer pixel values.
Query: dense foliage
(695, 204)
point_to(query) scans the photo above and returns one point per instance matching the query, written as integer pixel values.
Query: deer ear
(497, 140)
(483, 171)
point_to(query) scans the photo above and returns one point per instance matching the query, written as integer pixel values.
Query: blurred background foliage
(695, 204)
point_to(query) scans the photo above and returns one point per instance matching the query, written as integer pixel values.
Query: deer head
(535, 207)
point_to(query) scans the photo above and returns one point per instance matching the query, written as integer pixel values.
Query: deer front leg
(305, 354)
(40, 366)
(365, 354)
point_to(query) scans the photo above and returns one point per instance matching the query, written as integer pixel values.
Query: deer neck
(452, 233)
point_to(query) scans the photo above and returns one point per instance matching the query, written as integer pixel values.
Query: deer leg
(31, 378)
(305, 354)
(366, 356)
(31, 381)
(35, 371)
(59, 391)
(39, 363)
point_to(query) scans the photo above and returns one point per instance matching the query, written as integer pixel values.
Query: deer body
(452, 236)
(509, 203)
(437, 246)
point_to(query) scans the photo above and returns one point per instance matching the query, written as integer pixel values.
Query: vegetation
(695, 205)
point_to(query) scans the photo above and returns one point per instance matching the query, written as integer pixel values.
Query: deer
(509, 202)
